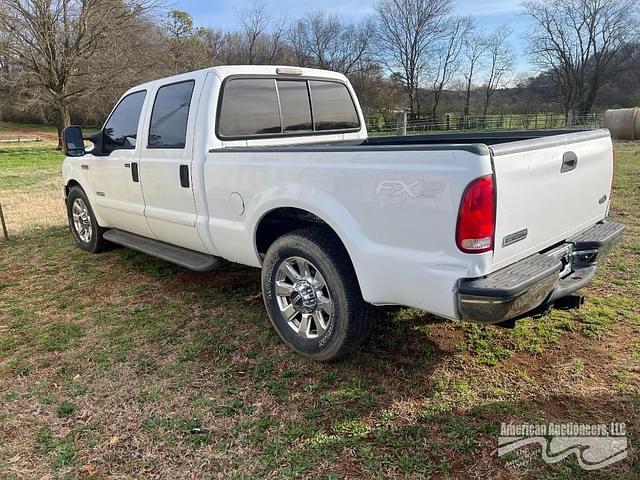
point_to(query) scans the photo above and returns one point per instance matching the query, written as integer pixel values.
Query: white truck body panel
(388, 234)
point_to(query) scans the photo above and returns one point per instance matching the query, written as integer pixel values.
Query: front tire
(312, 294)
(82, 222)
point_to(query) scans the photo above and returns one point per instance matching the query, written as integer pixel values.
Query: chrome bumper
(536, 282)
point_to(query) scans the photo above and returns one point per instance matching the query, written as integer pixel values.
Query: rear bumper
(539, 280)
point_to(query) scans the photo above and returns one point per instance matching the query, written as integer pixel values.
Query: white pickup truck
(272, 167)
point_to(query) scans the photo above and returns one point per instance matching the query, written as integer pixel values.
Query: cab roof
(224, 71)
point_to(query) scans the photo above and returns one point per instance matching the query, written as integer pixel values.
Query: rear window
(259, 107)
(295, 106)
(249, 107)
(333, 108)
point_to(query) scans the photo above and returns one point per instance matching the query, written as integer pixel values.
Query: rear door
(548, 189)
(166, 165)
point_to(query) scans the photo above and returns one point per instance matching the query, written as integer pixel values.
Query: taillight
(477, 216)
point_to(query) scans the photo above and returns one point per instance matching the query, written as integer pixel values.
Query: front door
(166, 166)
(116, 172)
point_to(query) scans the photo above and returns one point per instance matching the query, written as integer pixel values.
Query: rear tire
(312, 294)
(83, 224)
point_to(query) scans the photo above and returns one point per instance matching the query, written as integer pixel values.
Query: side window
(170, 114)
(249, 107)
(294, 105)
(333, 108)
(121, 130)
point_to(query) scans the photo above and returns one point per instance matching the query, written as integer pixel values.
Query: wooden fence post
(401, 123)
(4, 225)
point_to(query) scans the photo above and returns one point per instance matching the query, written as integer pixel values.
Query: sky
(489, 14)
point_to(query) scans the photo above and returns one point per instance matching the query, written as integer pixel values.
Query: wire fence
(392, 123)
(31, 178)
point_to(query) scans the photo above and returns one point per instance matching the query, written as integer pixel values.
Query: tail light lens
(477, 216)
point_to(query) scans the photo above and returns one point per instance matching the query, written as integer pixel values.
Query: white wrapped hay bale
(623, 123)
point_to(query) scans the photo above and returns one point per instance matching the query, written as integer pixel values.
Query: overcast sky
(489, 14)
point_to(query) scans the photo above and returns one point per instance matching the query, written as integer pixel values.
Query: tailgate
(549, 189)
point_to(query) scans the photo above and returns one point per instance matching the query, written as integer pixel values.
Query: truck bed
(473, 142)
(550, 183)
(486, 138)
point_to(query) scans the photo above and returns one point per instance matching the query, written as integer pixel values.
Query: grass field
(119, 365)
(31, 186)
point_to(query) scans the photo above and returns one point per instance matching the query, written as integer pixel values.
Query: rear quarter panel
(394, 209)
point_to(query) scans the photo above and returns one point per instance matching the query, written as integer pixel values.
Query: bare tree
(5, 61)
(446, 58)
(215, 43)
(579, 42)
(260, 40)
(474, 50)
(54, 42)
(276, 41)
(499, 63)
(254, 21)
(406, 32)
(323, 40)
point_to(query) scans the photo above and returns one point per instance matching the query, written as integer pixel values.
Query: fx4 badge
(417, 189)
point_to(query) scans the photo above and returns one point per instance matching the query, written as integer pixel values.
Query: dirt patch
(15, 131)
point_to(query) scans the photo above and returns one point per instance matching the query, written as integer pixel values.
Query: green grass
(123, 365)
(23, 169)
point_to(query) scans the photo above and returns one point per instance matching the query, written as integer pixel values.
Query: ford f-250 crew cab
(272, 167)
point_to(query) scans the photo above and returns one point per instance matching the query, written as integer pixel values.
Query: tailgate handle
(569, 162)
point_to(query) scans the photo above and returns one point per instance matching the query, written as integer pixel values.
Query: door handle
(569, 162)
(184, 176)
(134, 172)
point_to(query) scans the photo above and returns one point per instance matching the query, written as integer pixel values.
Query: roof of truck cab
(229, 70)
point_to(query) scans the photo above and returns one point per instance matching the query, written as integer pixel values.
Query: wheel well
(70, 184)
(284, 220)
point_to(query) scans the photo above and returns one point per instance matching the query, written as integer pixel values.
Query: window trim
(104, 126)
(186, 127)
(306, 133)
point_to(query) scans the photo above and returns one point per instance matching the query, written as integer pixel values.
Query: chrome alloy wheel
(303, 297)
(81, 220)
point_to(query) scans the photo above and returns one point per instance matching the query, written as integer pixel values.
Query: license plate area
(564, 254)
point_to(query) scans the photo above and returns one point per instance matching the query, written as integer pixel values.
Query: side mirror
(98, 144)
(72, 141)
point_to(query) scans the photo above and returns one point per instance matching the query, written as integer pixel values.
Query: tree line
(64, 60)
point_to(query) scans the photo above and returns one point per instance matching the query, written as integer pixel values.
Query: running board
(196, 261)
